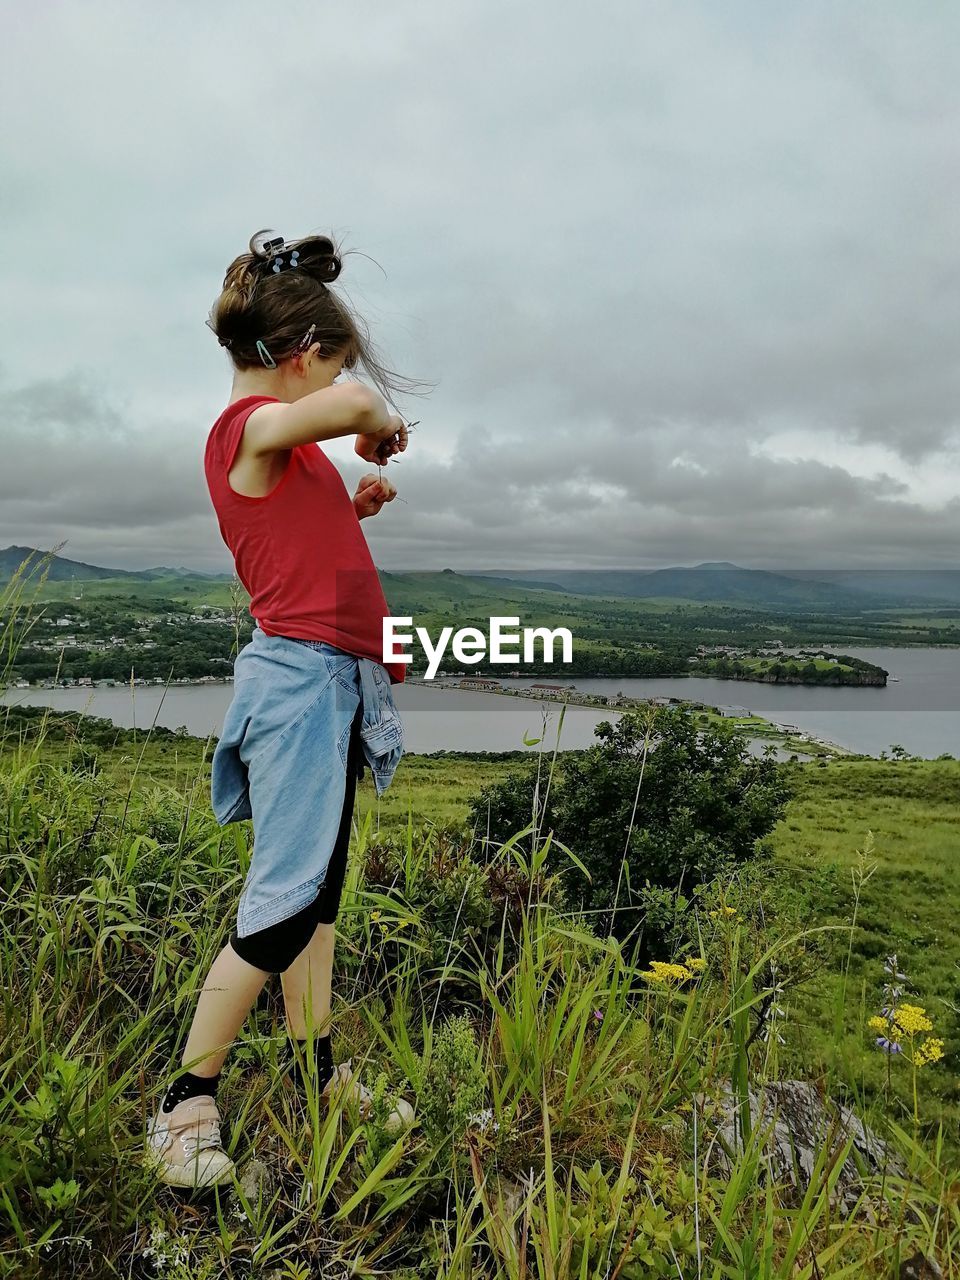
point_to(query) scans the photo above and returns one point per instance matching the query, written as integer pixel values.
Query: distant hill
(706, 584)
(423, 591)
(828, 590)
(63, 570)
(908, 586)
(725, 583)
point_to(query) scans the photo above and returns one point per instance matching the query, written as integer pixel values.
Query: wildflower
(696, 964)
(483, 1120)
(910, 1019)
(891, 966)
(598, 1015)
(930, 1051)
(723, 912)
(375, 915)
(402, 924)
(661, 971)
(878, 1024)
(889, 1046)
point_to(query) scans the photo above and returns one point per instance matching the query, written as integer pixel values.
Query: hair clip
(305, 340)
(224, 342)
(279, 264)
(271, 252)
(269, 247)
(265, 355)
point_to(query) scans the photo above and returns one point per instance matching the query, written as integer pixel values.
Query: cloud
(636, 250)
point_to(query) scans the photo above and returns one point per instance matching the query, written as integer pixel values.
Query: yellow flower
(911, 1019)
(878, 1024)
(723, 911)
(695, 963)
(402, 924)
(375, 915)
(664, 972)
(929, 1051)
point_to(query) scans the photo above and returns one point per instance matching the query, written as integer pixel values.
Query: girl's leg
(306, 997)
(230, 988)
(307, 985)
(184, 1135)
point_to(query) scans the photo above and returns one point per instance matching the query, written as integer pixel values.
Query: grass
(564, 1099)
(882, 836)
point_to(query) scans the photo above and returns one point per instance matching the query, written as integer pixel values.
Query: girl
(311, 696)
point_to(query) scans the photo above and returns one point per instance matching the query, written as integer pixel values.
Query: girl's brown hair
(278, 308)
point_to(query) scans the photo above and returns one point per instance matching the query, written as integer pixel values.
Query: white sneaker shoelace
(209, 1141)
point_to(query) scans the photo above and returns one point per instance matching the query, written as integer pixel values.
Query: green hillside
(621, 628)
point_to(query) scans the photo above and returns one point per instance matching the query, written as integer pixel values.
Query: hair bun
(316, 255)
(319, 258)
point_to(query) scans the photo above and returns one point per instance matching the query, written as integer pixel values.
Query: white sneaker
(346, 1083)
(184, 1145)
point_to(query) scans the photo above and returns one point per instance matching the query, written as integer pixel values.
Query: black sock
(189, 1086)
(323, 1056)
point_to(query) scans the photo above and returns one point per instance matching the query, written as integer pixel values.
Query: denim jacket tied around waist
(280, 683)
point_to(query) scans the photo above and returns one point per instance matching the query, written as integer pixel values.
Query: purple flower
(888, 1046)
(892, 967)
(598, 1014)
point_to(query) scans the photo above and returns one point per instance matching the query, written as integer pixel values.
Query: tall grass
(566, 1098)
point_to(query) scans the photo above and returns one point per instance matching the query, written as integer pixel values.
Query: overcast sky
(686, 274)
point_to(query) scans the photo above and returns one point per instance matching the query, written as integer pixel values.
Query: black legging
(275, 948)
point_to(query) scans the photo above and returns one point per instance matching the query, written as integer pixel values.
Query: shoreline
(764, 729)
(760, 727)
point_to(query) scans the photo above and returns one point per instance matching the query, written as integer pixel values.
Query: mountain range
(731, 584)
(63, 570)
(839, 590)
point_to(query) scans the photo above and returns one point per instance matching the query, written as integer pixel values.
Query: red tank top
(299, 551)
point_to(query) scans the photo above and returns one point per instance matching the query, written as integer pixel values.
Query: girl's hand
(371, 494)
(379, 446)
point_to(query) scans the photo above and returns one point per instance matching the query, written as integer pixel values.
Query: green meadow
(572, 1091)
(554, 1087)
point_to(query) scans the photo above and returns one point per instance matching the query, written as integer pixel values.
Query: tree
(702, 805)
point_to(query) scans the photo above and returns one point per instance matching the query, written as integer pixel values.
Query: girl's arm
(344, 410)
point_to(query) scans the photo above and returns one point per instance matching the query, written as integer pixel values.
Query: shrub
(664, 805)
(452, 1084)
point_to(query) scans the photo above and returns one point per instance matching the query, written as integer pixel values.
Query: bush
(662, 805)
(452, 1086)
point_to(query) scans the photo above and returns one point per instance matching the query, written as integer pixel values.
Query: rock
(799, 1121)
(920, 1268)
(257, 1183)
